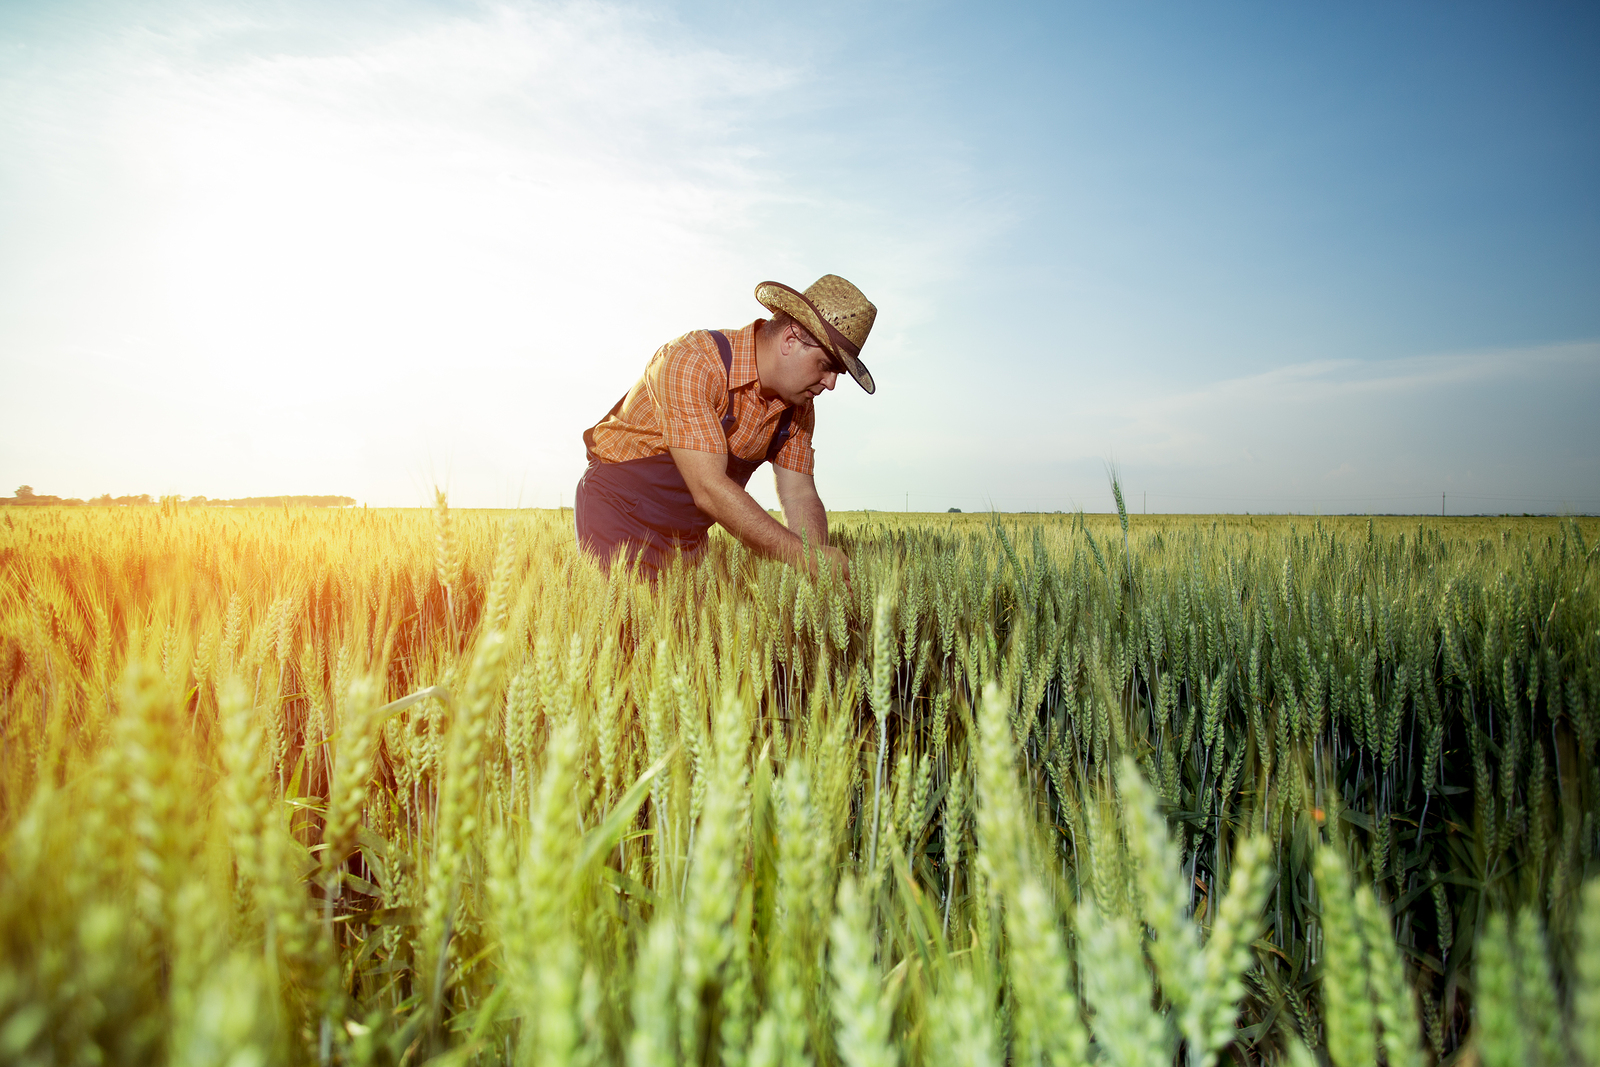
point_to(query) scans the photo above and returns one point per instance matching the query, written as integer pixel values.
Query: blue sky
(1268, 259)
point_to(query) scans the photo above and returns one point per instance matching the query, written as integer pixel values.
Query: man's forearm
(807, 518)
(742, 516)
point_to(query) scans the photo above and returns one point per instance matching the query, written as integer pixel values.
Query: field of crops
(306, 786)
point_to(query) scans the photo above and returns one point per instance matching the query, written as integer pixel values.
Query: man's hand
(803, 511)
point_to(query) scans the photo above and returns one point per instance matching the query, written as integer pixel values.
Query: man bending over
(675, 453)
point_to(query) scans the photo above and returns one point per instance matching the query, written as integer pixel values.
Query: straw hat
(834, 312)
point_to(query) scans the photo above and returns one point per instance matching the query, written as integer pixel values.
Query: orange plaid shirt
(680, 401)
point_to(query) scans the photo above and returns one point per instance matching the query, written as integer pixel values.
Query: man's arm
(802, 507)
(706, 475)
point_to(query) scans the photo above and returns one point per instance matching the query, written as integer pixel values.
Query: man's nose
(829, 378)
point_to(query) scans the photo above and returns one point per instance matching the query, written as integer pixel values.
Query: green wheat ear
(1518, 1020)
(1127, 1031)
(1541, 1011)
(1366, 997)
(963, 1024)
(1394, 1002)
(358, 738)
(860, 1002)
(1347, 1008)
(1209, 1022)
(654, 1041)
(1586, 990)
(1174, 946)
(1297, 1055)
(1497, 1026)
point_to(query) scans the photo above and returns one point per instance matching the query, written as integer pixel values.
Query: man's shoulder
(702, 343)
(686, 366)
(694, 347)
(697, 353)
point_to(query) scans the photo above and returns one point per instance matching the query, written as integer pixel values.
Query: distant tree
(27, 498)
(954, 511)
(285, 501)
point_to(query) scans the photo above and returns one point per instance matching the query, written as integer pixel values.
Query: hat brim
(775, 297)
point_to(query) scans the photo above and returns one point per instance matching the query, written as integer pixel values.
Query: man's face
(804, 370)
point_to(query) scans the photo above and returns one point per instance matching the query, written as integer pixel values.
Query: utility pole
(908, 502)
(1441, 505)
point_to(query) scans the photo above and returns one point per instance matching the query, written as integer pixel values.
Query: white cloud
(1337, 399)
(1389, 435)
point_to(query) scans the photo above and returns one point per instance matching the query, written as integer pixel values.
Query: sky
(1268, 258)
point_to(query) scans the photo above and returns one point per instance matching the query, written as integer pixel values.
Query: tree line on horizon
(26, 497)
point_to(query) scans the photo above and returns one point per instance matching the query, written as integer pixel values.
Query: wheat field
(394, 787)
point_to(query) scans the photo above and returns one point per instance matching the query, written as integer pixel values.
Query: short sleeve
(689, 390)
(797, 454)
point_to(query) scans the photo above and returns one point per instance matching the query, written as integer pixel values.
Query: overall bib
(644, 506)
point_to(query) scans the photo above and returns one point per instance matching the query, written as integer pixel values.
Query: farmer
(675, 453)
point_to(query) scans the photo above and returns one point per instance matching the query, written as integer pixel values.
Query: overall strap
(780, 436)
(725, 350)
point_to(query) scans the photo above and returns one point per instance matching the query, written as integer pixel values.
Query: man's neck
(766, 359)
